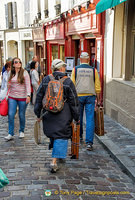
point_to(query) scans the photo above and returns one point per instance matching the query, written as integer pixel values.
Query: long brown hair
(20, 77)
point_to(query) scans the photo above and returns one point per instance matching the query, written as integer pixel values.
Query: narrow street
(95, 176)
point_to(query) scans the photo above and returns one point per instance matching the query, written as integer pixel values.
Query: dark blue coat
(58, 125)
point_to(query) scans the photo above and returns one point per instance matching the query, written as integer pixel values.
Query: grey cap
(84, 55)
(57, 64)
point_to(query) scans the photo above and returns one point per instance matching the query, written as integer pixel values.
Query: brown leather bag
(75, 140)
(99, 121)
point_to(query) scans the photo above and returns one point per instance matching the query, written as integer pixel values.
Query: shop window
(54, 52)
(29, 51)
(62, 52)
(26, 12)
(11, 15)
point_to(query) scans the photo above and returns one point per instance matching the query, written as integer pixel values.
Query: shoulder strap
(52, 78)
(63, 79)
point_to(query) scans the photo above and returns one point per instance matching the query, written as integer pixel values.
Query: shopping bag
(37, 133)
(75, 140)
(4, 107)
(99, 121)
(3, 179)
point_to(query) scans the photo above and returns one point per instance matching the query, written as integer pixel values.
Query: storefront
(27, 45)
(55, 42)
(1, 50)
(40, 47)
(83, 33)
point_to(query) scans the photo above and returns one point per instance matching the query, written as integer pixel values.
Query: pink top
(18, 90)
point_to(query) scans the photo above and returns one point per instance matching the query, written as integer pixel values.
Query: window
(26, 12)
(29, 51)
(62, 52)
(39, 9)
(54, 52)
(46, 9)
(58, 7)
(11, 15)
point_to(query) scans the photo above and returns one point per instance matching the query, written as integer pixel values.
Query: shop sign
(38, 34)
(26, 35)
(82, 23)
(1, 35)
(55, 31)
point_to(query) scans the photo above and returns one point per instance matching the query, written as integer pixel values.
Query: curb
(125, 163)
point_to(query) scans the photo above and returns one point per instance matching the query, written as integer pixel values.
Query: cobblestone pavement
(94, 176)
(120, 142)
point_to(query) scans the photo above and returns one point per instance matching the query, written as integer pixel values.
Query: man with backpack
(58, 98)
(87, 84)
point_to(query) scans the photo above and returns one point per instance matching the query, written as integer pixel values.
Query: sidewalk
(120, 143)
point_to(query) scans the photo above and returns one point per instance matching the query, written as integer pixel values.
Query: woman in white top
(5, 78)
(34, 78)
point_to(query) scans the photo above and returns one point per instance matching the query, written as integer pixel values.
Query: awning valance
(105, 4)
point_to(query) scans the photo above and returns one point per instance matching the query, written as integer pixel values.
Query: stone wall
(120, 102)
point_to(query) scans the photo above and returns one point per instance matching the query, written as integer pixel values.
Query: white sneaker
(9, 137)
(21, 135)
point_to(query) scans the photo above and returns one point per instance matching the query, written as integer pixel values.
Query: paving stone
(27, 167)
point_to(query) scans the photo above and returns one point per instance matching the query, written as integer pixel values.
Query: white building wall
(108, 43)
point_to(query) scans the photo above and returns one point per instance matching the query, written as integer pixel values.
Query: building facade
(119, 64)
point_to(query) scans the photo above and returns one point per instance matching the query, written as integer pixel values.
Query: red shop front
(84, 31)
(55, 38)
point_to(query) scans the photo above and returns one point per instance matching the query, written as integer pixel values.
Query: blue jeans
(89, 103)
(12, 106)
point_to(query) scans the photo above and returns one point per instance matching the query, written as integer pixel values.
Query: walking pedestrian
(5, 75)
(19, 95)
(34, 78)
(88, 87)
(57, 126)
(35, 58)
(5, 78)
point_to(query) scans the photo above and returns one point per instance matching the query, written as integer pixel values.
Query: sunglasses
(16, 62)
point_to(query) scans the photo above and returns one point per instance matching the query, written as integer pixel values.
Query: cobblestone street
(94, 176)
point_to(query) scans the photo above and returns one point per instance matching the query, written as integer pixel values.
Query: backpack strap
(52, 78)
(63, 79)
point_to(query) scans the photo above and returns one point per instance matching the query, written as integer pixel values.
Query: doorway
(91, 51)
(77, 52)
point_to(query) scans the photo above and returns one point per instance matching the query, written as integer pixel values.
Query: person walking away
(35, 58)
(88, 87)
(34, 78)
(19, 95)
(57, 126)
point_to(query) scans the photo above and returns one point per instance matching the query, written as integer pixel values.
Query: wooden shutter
(14, 8)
